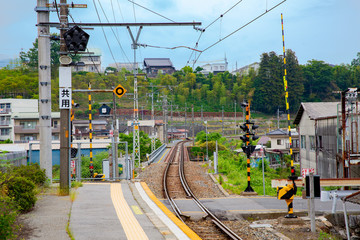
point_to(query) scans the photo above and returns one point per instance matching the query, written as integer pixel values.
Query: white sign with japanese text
(65, 98)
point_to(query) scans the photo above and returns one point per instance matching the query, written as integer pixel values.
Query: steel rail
(215, 220)
(166, 192)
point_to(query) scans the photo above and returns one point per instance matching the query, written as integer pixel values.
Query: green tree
(295, 80)
(319, 82)
(268, 84)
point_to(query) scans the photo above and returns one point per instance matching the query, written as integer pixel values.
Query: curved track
(182, 155)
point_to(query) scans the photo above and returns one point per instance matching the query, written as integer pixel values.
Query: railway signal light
(76, 39)
(248, 128)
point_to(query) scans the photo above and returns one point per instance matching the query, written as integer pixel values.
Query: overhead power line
(151, 11)
(116, 37)
(253, 20)
(102, 28)
(170, 48)
(203, 30)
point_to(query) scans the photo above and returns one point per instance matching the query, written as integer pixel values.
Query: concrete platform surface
(109, 211)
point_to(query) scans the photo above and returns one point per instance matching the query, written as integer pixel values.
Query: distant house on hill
(245, 69)
(153, 66)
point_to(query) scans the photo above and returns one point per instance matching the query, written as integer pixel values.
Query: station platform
(129, 210)
(123, 210)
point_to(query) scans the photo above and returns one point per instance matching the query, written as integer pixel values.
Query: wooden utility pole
(44, 68)
(64, 113)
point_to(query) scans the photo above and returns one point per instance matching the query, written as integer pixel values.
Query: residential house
(9, 106)
(320, 132)
(147, 126)
(127, 66)
(174, 133)
(215, 67)
(246, 69)
(26, 126)
(89, 62)
(280, 144)
(153, 66)
(100, 129)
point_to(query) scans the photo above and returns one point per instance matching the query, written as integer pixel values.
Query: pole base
(249, 189)
(290, 216)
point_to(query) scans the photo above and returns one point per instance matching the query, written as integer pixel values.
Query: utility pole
(152, 118)
(222, 119)
(171, 119)
(235, 117)
(64, 113)
(185, 118)
(192, 124)
(202, 117)
(44, 68)
(278, 118)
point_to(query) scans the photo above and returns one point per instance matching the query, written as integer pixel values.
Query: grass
(76, 184)
(233, 175)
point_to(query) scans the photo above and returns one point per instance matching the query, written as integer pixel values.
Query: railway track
(176, 159)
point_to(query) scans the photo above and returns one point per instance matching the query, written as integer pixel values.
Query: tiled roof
(157, 62)
(277, 132)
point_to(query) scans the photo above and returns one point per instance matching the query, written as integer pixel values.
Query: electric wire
(203, 30)
(243, 26)
(152, 11)
(170, 48)
(117, 39)
(107, 42)
(57, 10)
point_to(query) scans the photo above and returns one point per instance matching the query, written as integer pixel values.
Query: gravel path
(48, 219)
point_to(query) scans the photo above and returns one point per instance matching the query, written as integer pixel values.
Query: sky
(314, 29)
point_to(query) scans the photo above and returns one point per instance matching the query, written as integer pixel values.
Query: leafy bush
(22, 191)
(8, 214)
(97, 163)
(32, 173)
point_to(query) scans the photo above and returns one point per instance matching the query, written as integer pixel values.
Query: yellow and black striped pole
(287, 101)
(292, 177)
(248, 148)
(91, 166)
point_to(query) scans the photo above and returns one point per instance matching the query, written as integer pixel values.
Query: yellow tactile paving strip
(190, 233)
(131, 226)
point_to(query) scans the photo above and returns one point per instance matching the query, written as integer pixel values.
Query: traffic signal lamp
(76, 39)
(244, 127)
(244, 138)
(254, 127)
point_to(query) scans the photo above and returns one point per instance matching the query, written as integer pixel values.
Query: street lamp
(207, 148)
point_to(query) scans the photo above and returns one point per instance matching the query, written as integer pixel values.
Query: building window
(295, 143)
(55, 123)
(5, 105)
(28, 125)
(312, 143)
(55, 137)
(4, 120)
(27, 137)
(278, 141)
(5, 131)
(303, 141)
